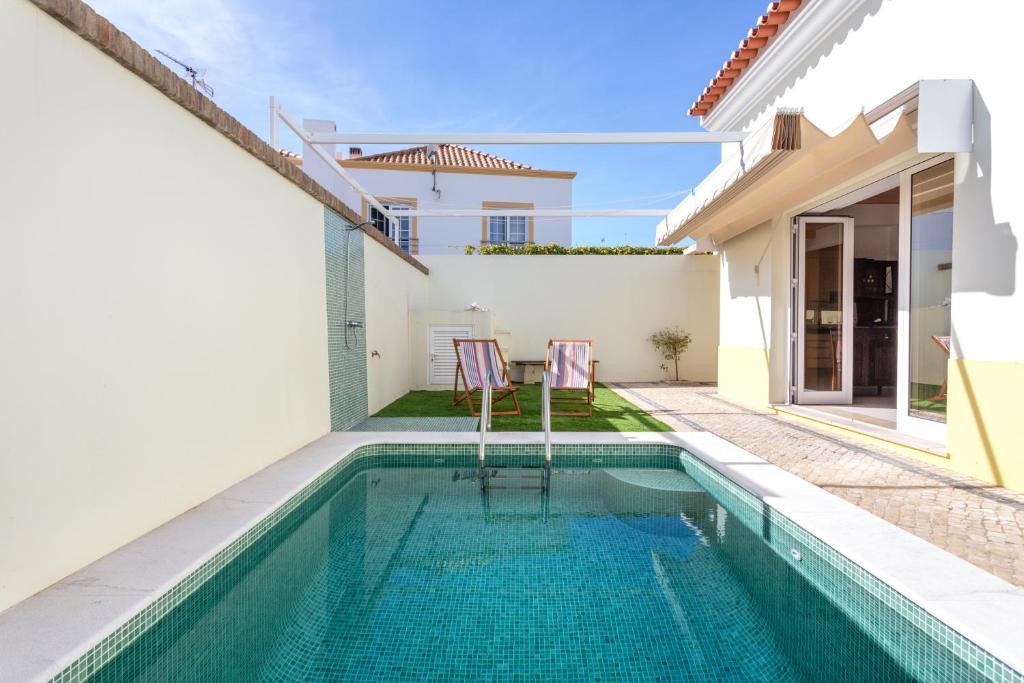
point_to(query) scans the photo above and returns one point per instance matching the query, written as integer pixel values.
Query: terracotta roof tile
(447, 155)
(757, 39)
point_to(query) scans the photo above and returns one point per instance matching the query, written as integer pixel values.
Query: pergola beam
(538, 213)
(647, 138)
(276, 110)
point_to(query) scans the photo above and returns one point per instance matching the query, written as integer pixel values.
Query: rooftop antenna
(432, 156)
(192, 73)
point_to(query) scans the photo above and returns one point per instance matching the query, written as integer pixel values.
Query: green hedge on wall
(559, 250)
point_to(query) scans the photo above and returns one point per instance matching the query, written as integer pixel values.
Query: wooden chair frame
(497, 394)
(572, 398)
(943, 343)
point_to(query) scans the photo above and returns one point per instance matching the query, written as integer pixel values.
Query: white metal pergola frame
(316, 141)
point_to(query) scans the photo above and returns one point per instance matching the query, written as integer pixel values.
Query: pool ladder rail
(523, 473)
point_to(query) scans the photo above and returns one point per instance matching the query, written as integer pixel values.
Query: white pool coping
(45, 633)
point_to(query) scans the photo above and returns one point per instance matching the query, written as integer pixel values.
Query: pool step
(501, 477)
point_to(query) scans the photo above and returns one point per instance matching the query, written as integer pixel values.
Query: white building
(448, 176)
(869, 228)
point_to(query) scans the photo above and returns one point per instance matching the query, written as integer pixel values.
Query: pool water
(617, 574)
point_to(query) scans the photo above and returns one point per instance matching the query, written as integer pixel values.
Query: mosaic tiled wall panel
(346, 300)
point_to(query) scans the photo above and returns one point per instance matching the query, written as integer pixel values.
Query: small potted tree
(671, 343)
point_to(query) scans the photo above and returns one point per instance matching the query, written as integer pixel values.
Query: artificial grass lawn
(612, 413)
(920, 398)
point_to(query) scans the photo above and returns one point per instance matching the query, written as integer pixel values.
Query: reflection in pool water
(618, 574)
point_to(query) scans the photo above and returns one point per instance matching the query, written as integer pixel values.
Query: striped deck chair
(474, 358)
(570, 363)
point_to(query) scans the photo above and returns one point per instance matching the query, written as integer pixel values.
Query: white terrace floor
(981, 523)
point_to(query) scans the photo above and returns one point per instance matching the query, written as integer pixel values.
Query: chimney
(355, 152)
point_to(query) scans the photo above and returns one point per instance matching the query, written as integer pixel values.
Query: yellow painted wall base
(743, 374)
(986, 421)
(852, 432)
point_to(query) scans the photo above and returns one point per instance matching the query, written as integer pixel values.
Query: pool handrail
(546, 415)
(485, 423)
(546, 424)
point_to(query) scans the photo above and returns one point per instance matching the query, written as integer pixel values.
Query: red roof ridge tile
(757, 39)
(449, 155)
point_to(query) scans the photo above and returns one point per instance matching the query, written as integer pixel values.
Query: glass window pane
(496, 229)
(517, 229)
(378, 219)
(403, 229)
(404, 232)
(931, 287)
(823, 307)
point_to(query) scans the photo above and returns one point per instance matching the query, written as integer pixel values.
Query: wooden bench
(533, 370)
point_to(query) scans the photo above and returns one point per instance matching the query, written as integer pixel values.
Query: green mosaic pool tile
(878, 607)
(121, 638)
(417, 424)
(883, 613)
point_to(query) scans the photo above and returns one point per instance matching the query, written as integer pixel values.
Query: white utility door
(824, 326)
(441, 368)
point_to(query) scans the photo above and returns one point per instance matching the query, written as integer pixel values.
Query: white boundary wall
(617, 301)
(393, 289)
(163, 308)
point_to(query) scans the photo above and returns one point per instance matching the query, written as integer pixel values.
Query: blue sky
(524, 66)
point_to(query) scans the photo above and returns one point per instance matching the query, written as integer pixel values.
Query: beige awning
(786, 163)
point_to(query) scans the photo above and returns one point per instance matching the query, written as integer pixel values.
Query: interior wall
(618, 301)
(163, 295)
(876, 230)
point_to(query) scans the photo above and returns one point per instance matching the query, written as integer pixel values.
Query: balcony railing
(409, 245)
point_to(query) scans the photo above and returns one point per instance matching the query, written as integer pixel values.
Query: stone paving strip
(980, 522)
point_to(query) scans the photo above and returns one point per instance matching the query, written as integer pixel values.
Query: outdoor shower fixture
(349, 323)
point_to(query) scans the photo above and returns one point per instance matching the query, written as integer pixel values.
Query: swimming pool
(642, 563)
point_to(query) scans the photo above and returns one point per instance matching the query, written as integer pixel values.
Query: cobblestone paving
(980, 522)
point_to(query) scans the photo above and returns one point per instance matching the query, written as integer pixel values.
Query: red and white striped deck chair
(474, 359)
(570, 363)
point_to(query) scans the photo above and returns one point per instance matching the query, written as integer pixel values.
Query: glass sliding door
(824, 372)
(927, 249)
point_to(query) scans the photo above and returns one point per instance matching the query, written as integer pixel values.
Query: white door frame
(845, 394)
(905, 422)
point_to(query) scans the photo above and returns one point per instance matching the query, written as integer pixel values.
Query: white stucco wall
(745, 291)
(617, 301)
(163, 325)
(445, 235)
(393, 288)
(438, 235)
(876, 53)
